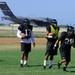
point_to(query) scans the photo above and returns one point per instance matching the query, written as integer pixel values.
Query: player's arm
(20, 35)
(74, 41)
(62, 36)
(49, 34)
(32, 38)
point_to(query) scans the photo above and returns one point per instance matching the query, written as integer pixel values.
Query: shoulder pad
(30, 27)
(63, 34)
(20, 27)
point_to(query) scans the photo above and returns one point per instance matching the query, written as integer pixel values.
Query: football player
(26, 34)
(66, 40)
(52, 36)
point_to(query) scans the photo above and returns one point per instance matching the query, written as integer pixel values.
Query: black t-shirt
(26, 30)
(48, 28)
(65, 40)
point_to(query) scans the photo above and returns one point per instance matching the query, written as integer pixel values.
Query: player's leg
(22, 55)
(45, 60)
(67, 60)
(65, 66)
(50, 62)
(63, 58)
(46, 54)
(51, 52)
(25, 58)
(22, 59)
(27, 50)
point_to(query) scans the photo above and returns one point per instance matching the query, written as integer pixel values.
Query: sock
(25, 62)
(44, 62)
(65, 66)
(59, 62)
(50, 63)
(21, 61)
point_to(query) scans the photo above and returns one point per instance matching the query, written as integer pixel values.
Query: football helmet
(70, 30)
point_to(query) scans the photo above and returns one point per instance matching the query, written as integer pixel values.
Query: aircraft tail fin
(7, 12)
(5, 9)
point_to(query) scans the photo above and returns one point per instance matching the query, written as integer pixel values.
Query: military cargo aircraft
(8, 15)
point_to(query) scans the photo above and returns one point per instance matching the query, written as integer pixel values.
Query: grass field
(10, 61)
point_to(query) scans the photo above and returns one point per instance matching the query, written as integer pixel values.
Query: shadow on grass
(2, 60)
(72, 71)
(38, 65)
(71, 67)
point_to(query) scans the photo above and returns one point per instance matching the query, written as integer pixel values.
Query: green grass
(10, 62)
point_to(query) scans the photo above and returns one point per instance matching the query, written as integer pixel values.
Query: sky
(61, 10)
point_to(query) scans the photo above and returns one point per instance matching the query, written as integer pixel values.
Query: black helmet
(26, 21)
(70, 30)
(54, 21)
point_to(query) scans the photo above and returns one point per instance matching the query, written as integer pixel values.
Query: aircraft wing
(8, 15)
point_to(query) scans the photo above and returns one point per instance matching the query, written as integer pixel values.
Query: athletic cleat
(26, 65)
(59, 65)
(21, 65)
(64, 68)
(50, 67)
(44, 67)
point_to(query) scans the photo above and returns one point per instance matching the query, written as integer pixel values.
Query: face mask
(25, 24)
(55, 25)
(70, 32)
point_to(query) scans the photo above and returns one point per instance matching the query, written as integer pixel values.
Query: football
(50, 35)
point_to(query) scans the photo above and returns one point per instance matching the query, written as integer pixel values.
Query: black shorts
(65, 54)
(26, 47)
(50, 50)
